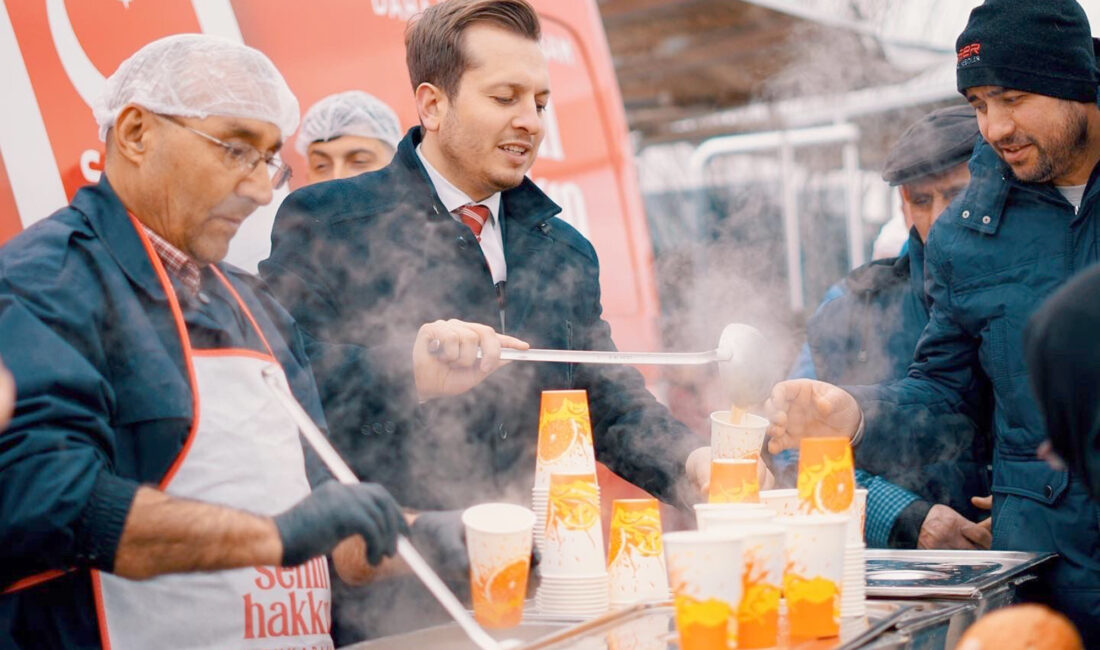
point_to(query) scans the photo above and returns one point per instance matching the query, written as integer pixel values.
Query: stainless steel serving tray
(641, 627)
(946, 574)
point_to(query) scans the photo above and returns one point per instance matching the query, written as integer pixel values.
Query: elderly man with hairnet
(346, 134)
(153, 491)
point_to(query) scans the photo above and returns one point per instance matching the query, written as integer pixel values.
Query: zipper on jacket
(569, 346)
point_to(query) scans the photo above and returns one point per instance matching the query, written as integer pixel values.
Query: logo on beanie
(969, 54)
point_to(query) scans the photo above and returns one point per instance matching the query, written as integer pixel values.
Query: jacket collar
(983, 203)
(111, 223)
(525, 205)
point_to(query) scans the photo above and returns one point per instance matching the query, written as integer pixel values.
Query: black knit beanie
(1037, 46)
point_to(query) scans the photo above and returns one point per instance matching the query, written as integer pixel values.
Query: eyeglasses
(243, 156)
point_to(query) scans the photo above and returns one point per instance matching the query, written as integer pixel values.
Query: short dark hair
(434, 39)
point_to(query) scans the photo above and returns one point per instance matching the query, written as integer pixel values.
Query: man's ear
(131, 133)
(431, 105)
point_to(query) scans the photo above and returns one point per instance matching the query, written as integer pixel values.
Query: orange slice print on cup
(498, 596)
(563, 422)
(826, 476)
(734, 480)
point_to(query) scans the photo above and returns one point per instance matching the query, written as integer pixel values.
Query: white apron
(244, 452)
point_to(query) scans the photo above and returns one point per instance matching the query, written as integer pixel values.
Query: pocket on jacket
(1032, 479)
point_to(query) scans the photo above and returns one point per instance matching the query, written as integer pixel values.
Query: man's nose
(257, 185)
(528, 118)
(998, 125)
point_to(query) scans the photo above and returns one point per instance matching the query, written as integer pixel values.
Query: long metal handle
(606, 357)
(405, 549)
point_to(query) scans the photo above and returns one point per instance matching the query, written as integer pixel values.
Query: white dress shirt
(492, 242)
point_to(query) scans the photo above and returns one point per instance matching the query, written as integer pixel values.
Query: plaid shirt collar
(182, 267)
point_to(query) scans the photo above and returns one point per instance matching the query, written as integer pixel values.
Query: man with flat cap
(866, 333)
(1027, 222)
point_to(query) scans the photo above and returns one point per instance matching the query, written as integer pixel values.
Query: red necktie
(474, 216)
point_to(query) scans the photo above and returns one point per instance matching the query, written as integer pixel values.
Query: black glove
(441, 538)
(336, 511)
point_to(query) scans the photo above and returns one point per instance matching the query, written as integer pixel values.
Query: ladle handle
(603, 357)
(331, 458)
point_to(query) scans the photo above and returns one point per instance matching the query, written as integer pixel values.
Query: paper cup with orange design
(705, 573)
(826, 476)
(734, 480)
(710, 515)
(736, 439)
(813, 574)
(565, 436)
(635, 556)
(573, 544)
(498, 540)
(765, 557)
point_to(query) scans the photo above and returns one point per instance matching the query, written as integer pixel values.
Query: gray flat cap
(935, 143)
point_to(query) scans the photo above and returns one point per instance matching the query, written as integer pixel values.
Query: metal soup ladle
(743, 355)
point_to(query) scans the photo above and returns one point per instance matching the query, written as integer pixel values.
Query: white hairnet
(196, 75)
(353, 112)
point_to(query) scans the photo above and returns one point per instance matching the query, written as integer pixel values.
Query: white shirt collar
(452, 197)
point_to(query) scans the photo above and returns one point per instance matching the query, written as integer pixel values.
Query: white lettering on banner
(91, 165)
(400, 9)
(551, 146)
(558, 49)
(574, 208)
(285, 604)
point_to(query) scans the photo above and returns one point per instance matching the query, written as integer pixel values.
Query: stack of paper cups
(574, 574)
(853, 602)
(736, 439)
(635, 557)
(783, 502)
(564, 446)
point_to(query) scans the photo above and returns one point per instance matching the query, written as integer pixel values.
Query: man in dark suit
(363, 262)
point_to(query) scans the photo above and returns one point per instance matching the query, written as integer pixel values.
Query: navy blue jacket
(363, 262)
(868, 336)
(991, 259)
(103, 400)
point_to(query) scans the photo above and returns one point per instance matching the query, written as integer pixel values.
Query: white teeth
(515, 150)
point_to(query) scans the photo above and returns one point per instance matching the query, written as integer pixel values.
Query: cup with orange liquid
(705, 572)
(736, 434)
(734, 480)
(635, 556)
(826, 476)
(498, 540)
(813, 574)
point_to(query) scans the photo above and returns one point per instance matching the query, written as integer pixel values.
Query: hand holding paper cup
(498, 540)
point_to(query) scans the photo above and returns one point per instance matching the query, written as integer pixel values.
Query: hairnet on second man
(347, 133)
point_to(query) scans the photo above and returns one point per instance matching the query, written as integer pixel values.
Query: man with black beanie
(866, 330)
(1026, 224)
